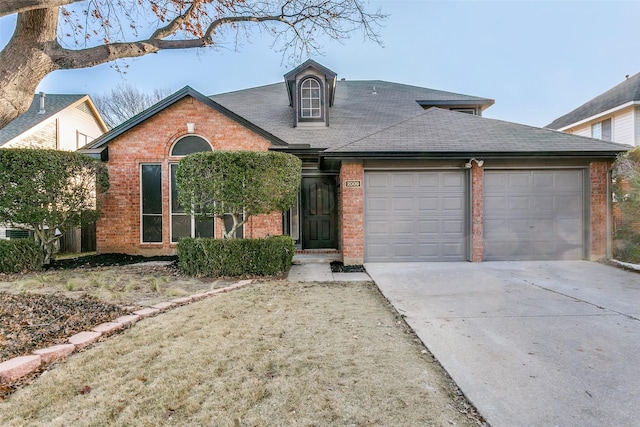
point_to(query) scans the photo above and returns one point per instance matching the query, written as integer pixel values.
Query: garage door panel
(427, 181)
(402, 181)
(428, 227)
(452, 204)
(428, 203)
(380, 204)
(519, 203)
(406, 228)
(424, 216)
(543, 219)
(452, 180)
(452, 227)
(402, 204)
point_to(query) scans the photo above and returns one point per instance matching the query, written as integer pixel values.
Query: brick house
(391, 172)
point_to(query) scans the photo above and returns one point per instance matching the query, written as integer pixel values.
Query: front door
(319, 213)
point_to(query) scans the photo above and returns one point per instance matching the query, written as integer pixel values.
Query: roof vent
(374, 91)
(42, 110)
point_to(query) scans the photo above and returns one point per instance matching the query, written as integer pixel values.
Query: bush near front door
(235, 257)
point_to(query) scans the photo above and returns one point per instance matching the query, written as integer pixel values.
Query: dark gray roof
(623, 93)
(54, 103)
(97, 144)
(439, 132)
(360, 109)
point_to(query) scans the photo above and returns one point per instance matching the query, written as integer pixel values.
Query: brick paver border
(13, 369)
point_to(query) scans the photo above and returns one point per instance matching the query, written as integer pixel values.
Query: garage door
(415, 216)
(533, 215)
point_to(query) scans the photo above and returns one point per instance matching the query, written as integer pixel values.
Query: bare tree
(55, 35)
(125, 101)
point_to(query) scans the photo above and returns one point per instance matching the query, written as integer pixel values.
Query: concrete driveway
(529, 343)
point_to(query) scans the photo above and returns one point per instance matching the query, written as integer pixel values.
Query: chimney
(42, 110)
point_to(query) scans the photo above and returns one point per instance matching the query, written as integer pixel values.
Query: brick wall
(150, 142)
(601, 227)
(477, 213)
(352, 213)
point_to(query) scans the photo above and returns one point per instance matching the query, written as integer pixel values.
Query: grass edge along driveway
(274, 353)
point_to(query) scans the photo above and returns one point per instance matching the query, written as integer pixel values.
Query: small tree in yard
(627, 191)
(238, 183)
(49, 190)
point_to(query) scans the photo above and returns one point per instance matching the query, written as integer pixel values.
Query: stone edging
(21, 366)
(628, 265)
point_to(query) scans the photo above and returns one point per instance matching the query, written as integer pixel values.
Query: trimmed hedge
(20, 255)
(235, 257)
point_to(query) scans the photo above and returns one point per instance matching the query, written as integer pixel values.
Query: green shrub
(20, 255)
(235, 257)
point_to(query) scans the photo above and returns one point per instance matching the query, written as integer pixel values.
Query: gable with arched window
(311, 101)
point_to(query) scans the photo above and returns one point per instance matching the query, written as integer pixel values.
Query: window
(190, 144)
(472, 111)
(82, 139)
(151, 195)
(228, 223)
(310, 99)
(602, 130)
(182, 223)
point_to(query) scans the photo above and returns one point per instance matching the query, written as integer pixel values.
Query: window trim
(598, 129)
(301, 117)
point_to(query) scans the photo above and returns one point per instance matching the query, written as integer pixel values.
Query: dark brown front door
(319, 213)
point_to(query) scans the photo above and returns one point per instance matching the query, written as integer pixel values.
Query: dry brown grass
(124, 285)
(272, 354)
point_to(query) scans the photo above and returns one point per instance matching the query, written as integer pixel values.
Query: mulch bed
(32, 321)
(339, 267)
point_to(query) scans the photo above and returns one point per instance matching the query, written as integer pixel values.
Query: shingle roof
(623, 93)
(104, 139)
(437, 132)
(54, 103)
(361, 108)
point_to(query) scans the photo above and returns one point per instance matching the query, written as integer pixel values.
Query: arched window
(190, 144)
(310, 99)
(183, 224)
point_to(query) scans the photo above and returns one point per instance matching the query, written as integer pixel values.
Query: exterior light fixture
(470, 162)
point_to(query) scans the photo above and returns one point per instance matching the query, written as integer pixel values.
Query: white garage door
(533, 215)
(415, 216)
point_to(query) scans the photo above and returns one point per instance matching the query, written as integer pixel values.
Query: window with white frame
(82, 139)
(602, 130)
(310, 99)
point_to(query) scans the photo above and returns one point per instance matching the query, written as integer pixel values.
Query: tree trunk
(24, 62)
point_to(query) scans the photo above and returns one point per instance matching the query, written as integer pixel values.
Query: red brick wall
(352, 213)
(601, 227)
(150, 142)
(477, 213)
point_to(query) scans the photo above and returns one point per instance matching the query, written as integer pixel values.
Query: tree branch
(73, 59)
(10, 7)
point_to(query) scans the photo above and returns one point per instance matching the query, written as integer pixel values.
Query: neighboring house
(391, 172)
(58, 122)
(611, 116)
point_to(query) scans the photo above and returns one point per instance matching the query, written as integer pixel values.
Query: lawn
(273, 353)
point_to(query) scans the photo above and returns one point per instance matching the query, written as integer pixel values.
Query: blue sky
(537, 59)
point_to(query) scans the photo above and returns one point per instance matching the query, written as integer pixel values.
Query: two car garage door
(424, 215)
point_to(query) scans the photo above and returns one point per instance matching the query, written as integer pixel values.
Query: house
(611, 116)
(58, 122)
(391, 172)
